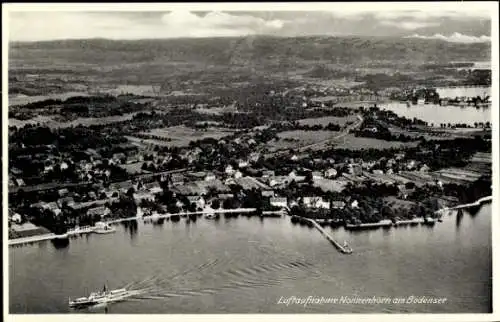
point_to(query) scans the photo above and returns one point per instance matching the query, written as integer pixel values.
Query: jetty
(39, 238)
(339, 247)
(473, 204)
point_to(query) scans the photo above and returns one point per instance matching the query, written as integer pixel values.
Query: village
(59, 187)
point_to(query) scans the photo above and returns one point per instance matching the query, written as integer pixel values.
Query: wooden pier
(339, 247)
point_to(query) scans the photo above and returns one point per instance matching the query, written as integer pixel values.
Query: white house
(424, 168)
(378, 172)
(210, 177)
(410, 165)
(267, 174)
(237, 174)
(197, 200)
(102, 211)
(316, 202)
(338, 204)
(294, 157)
(330, 173)
(15, 217)
(316, 175)
(278, 202)
(139, 196)
(229, 169)
(64, 165)
(254, 156)
(267, 193)
(242, 164)
(354, 204)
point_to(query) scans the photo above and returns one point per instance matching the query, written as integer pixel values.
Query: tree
(130, 192)
(215, 204)
(227, 204)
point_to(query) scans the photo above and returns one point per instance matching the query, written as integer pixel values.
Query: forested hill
(254, 50)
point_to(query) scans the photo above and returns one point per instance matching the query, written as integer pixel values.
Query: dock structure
(39, 238)
(339, 247)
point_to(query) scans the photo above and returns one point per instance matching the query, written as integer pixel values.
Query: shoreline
(73, 232)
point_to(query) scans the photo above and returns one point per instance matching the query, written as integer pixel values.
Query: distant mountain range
(244, 51)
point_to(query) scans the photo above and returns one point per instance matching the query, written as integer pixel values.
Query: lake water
(437, 114)
(245, 265)
(452, 92)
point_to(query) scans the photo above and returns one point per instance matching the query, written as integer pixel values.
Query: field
(85, 121)
(181, 135)
(352, 142)
(216, 110)
(298, 138)
(133, 168)
(328, 119)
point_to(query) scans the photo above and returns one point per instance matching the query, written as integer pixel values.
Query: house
(251, 142)
(153, 187)
(65, 201)
(64, 165)
(177, 179)
(242, 164)
(229, 170)
(316, 175)
(237, 174)
(315, 202)
(267, 193)
(425, 168)
(143, 195)
(254, 156)
(102, 211)
(52, 206)
(210, 176)
(337, 204)
(410, 165)
(278, 202)
(199, 201)
(389, 171)
(224, 196)
(294, 158)
(63, 192)
(279, 180)
(330, 173)
(355, 169)
(229, 181)
(15, 217)
(119, 157)
(267, 174)
(379, 172)
(48, 168)
(354, 204)
(20, 182)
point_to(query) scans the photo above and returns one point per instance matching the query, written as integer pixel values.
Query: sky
(458, 25)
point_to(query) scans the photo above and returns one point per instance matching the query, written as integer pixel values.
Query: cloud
(33, 26)
(410, 25)
(218, 24)
(421, 14)
(431, 14)
(455, 37)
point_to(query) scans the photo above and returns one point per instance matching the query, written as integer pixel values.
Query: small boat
(347, 248)
(101, 297)
(211, 216)
(103, 228)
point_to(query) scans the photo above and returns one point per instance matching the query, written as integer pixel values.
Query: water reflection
(60, 243)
